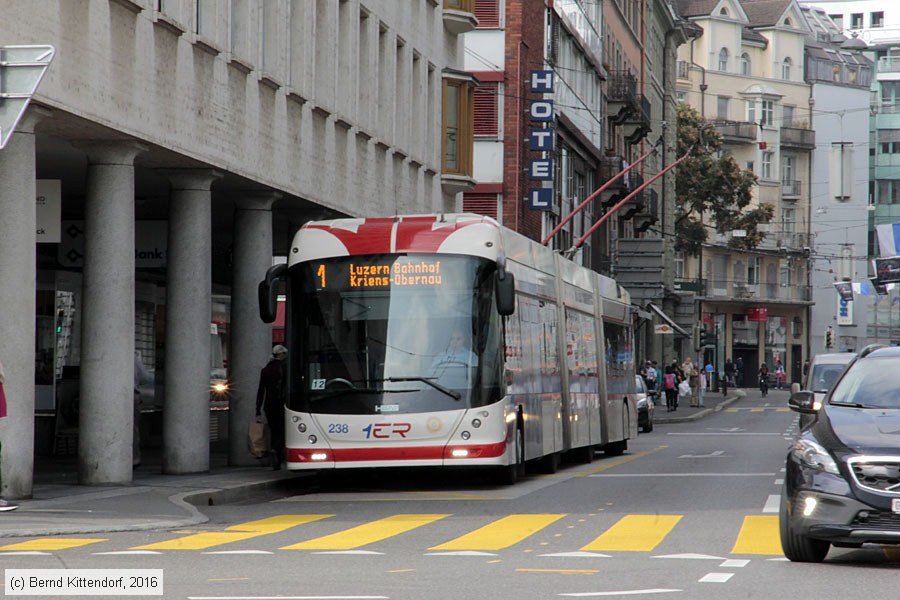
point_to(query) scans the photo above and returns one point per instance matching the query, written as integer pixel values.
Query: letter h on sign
(541, 82)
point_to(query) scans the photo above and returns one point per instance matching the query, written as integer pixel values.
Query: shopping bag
(258, 439)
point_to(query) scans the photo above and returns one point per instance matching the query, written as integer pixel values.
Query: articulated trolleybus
(449, 341)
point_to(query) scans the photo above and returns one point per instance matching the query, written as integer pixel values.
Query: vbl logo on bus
(385, 431)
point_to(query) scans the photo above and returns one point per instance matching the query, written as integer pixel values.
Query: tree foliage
(712, 190)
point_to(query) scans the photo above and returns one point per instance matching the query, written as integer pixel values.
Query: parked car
(824, 370)
(842, 479)
(646, 401)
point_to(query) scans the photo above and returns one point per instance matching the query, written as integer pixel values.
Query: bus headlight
(313, 439)
(301, 427)
(476, 423)
(465, 435)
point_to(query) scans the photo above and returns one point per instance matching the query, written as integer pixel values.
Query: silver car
(645, 404)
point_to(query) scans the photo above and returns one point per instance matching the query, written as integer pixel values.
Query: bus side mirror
(268, 296)
(505, 287)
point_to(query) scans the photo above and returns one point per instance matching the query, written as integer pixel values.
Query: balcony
(717, 290)
(459, 16)
(622, 96)
(741, 132)
(638, 123)
(798, 138)
(611, 166)
(790, 188)
(889, 64)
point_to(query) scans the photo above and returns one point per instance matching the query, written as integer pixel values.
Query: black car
(842, 482)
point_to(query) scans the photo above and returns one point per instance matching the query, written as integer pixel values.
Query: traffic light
(708, 339)
(829, 338)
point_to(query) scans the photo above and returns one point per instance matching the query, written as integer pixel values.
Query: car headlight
(813, 455)
(642, 403)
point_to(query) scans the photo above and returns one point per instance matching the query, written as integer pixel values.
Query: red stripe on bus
(304, 455)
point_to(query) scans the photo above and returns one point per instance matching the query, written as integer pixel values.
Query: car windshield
(870, 383)
(824, 375)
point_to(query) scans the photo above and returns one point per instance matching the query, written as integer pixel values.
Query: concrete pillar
(107, 330)
(17, 306)
(188, 314)
(251, 339)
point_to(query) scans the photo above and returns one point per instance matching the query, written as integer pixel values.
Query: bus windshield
(394, 333)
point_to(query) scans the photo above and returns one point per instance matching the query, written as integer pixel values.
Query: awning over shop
(667, 319)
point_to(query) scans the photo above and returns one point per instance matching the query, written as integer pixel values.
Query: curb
(739, 394)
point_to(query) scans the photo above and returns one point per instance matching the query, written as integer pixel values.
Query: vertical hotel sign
(540, 139)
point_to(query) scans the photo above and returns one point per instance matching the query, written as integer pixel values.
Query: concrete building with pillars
(176, 146)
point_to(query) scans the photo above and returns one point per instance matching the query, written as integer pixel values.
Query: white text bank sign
(541, 139)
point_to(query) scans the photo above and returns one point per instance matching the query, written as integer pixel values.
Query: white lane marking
(690, 556)
(716, 454)
(576, 555)
(778, 481)
(716, 578)
(460, 553)
(655, 475)
(25, 553)
(734, 563)
(773, 503)
(239, 552)
(125, 552)
(620, 593)
(288, 597)
(729, 433)
(350, 552)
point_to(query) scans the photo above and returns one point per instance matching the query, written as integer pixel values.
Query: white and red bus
(448, 341)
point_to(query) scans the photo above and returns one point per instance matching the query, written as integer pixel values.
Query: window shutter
(480, 204)
(486, 109)
(488, 13)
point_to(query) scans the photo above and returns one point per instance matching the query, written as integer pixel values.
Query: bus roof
(469, 234)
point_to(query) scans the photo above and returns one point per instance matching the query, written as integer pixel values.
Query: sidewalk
(153, 501)
(713, 402)
(156, 501)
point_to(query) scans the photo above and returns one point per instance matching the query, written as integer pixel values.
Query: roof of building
(695, 8)
(764, 13)
(753, 36)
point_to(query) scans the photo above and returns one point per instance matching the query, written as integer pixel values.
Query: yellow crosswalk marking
(759, 535)
(235, 533)
(367, 533)
(502, 533)
(52, 544)
(635, 533)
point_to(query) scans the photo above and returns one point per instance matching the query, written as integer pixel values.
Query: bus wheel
(584, 455)
(510, 474)
(549, 464)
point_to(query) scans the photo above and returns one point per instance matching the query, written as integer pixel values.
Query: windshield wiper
(452, 393)
(852, 404)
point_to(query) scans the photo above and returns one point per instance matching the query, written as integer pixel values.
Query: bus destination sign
(419, 272)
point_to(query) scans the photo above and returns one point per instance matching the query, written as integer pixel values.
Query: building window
(768, 110)
(722, 107)
(838, 20)
(751, 111)
(787, 169)
(751, 166)
(723, 59)
(488, 13)
(878, 18)
(745, 64)
(679, 265)
(753, 270)
(766, 166)
(787, 221)
(681, 96)
(856, 20)
(888, 191)
(458, 92)
(486, 110)
(462, 5)
(787, 116)
(786, 68)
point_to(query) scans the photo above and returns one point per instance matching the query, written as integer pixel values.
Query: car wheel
(648, 426)
(798, 548)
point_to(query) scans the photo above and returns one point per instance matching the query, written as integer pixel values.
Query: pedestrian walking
(5, 505)
(670, 387)
(270, 398)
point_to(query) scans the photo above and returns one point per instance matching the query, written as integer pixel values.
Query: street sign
(21, 70)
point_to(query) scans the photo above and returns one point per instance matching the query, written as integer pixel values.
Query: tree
(710, 185)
